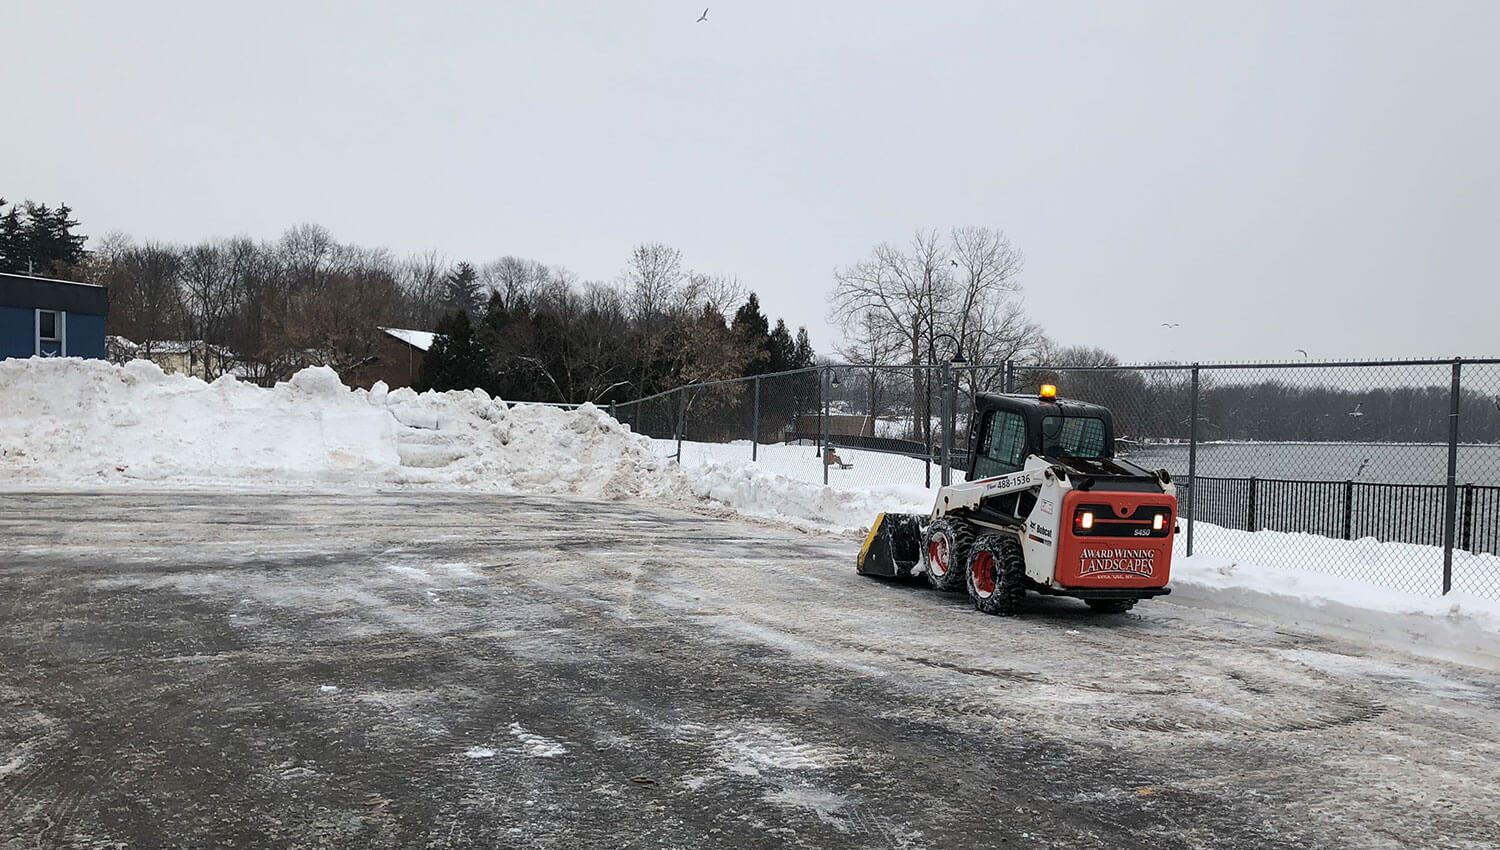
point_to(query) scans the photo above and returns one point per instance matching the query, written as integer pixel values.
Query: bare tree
(964, 286)
(652, 279)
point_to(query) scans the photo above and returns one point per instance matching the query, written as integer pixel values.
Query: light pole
(950, 402)
(830, 380)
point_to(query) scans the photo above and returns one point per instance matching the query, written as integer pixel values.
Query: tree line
(542, 336)
(518, 328)
(522, 329)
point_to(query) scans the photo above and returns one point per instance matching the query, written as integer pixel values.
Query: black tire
(946, 555)
(1110, 606)
(997, 575)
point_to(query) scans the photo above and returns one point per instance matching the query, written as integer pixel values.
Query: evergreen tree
(753, 332)
(11, 240)
(461, 291)
(802, 352)
(37, 239)
(456, 360)
(780, 348)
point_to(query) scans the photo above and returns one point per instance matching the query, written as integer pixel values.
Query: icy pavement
(190, 669)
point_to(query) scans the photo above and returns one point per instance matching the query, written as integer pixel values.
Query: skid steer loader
(1046, 506)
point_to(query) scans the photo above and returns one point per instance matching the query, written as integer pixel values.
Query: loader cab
(1010, 427)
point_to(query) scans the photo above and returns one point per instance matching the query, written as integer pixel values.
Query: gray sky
(1272, 176)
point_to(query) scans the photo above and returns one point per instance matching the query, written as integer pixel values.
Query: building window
(51, 333)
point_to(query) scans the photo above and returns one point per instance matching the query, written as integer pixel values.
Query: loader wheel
(1110, 606)
(997, 575)
(947, 553)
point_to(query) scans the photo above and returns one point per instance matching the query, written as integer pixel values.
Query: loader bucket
(893, 547)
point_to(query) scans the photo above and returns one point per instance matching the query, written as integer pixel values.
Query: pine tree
(36, 239)
(456, 360)
(11, 245)
(461, 291)
(781, 348)
(802, 352)
(753, 332)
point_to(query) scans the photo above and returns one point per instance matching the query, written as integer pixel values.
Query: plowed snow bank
(69, 421)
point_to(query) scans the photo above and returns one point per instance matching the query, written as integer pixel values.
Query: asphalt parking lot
(445, 670)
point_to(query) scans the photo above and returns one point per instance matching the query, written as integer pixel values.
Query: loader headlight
(1158, 522)
(1086, 520)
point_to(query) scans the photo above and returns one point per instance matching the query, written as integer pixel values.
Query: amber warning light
(1049, 391)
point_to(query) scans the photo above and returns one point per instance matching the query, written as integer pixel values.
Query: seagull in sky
(1170, 324)
(1301, 351)
(703, 18)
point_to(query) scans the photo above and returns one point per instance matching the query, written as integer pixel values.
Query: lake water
(1386, 463)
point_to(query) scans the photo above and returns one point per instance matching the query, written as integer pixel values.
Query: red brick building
(397, 359)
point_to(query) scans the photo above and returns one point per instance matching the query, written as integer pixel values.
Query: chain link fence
(1387, 472)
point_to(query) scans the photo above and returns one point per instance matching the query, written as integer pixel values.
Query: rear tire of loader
(997, 575)
(946, 556)
(1110, 606)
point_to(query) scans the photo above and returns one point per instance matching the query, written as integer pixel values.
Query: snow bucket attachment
(893, 547)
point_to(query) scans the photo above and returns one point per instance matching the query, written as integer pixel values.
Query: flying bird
(1170, 324)
(703, 18)
(1301, 351)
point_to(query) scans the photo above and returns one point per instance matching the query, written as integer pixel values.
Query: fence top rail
(1340, 482)
(1124, 367)
(1277, 364)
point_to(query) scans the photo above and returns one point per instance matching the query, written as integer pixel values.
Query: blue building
(51, 318)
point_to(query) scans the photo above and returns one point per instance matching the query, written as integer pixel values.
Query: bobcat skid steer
(1046, 507)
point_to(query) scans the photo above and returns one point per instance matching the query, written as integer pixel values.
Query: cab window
(1072, 436)
(1002, 445)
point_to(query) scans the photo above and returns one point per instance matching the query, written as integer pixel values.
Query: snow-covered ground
(66, 423)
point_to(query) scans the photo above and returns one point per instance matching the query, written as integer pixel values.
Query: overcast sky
(1323, 176)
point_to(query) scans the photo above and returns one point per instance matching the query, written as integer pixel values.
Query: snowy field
(71, 423)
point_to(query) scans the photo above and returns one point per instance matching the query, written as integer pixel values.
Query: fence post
(755, 424)
(1349, 510)
(1005, 382)
(1468, 518)
(614, 411)
(1450, 511)
(681, 420)
(1192, 458)
(1250, 526)
(946, 458)
(823, 394)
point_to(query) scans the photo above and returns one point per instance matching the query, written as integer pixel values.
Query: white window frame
(60, 324)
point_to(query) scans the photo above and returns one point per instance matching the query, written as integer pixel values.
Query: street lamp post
(830, 380)
(950, 402)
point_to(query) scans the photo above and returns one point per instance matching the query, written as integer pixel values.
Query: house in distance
(42, 317)
(397, 359)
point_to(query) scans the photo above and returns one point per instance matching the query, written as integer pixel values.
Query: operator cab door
(1002, 445)
(1002, 449)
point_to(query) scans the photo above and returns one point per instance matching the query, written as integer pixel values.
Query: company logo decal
(1134, 562)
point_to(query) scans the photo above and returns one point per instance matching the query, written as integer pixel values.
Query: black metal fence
(1397, 462)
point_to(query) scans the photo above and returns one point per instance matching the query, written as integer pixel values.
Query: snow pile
(751, 488)
(71, 422)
